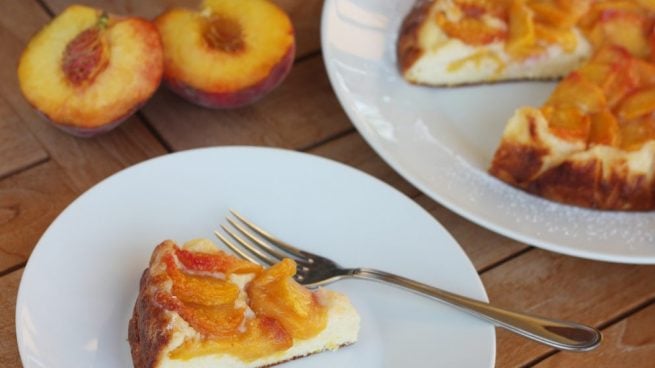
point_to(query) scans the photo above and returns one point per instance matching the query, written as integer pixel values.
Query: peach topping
(527, 27)
(609, 101)
(283, 309)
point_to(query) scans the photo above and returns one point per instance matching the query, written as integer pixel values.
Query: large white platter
(442, 140)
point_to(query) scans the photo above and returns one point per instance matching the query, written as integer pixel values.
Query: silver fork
(313, 270)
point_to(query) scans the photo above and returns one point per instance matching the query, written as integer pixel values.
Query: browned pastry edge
(147, 331)
(408, 49)
(572, 182)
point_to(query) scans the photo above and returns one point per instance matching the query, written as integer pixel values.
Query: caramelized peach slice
(624, 29)
(472, 31)
(275, 294)
(604, 129)
(229, 53)
(637, 132)
(638, 104)
(200, 290)
(601, 9)
(215, 262)
(576, 91)
(563, 37)
(552, 14)
(642, 72)
(216, 322)
(521, 30)
(648, 4)
(87, 70)
(567, 122)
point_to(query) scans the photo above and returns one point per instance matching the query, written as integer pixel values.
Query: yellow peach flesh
(131, 76)
(267, 36)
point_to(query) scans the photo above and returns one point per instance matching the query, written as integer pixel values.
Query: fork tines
(256, 245)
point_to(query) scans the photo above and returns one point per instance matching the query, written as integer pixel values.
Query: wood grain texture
(485, 248)
(29, 202)
(18, 148)
(629, 343)
(352, 150)
(9, 357)
(86, 161)
(299, 113)
(563, 287)
(304, 15)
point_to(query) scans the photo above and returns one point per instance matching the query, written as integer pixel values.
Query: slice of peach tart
(201, 307)
(592, 143)
(456, 42)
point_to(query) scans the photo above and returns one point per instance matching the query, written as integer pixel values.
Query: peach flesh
(236, 99)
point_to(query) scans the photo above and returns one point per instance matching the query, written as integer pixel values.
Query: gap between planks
(25, 168)
(12, 269)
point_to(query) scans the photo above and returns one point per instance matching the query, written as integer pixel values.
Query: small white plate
(80, 284)
(442, 139)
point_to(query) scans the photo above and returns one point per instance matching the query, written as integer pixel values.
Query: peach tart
(200, 307)
(227, 53)
(87, 70)
(592, 143)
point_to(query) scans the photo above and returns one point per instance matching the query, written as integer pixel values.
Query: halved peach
(227, 54)
(87, 70)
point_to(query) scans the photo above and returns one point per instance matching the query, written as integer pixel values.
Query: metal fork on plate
(259, 246)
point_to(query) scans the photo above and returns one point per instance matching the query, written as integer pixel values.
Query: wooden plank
(305, 15)
(86, 161)
(629, 343)
(301, 112)
(485, 248)
(352, 150)
(9, 357)
(29, 202)
(18, 148)
(564, 287)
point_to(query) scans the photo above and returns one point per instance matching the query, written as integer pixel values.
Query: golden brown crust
(147, 332)
(408, 49)
(580, 183)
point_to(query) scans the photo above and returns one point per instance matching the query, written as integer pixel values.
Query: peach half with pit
(228, 53)
(87, 70)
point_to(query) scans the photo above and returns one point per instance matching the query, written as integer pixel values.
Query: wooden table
(42, 170)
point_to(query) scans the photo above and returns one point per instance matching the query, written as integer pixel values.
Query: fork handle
(559, 334)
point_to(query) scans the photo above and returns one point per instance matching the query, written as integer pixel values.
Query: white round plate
(80, 284)
(442, 139)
